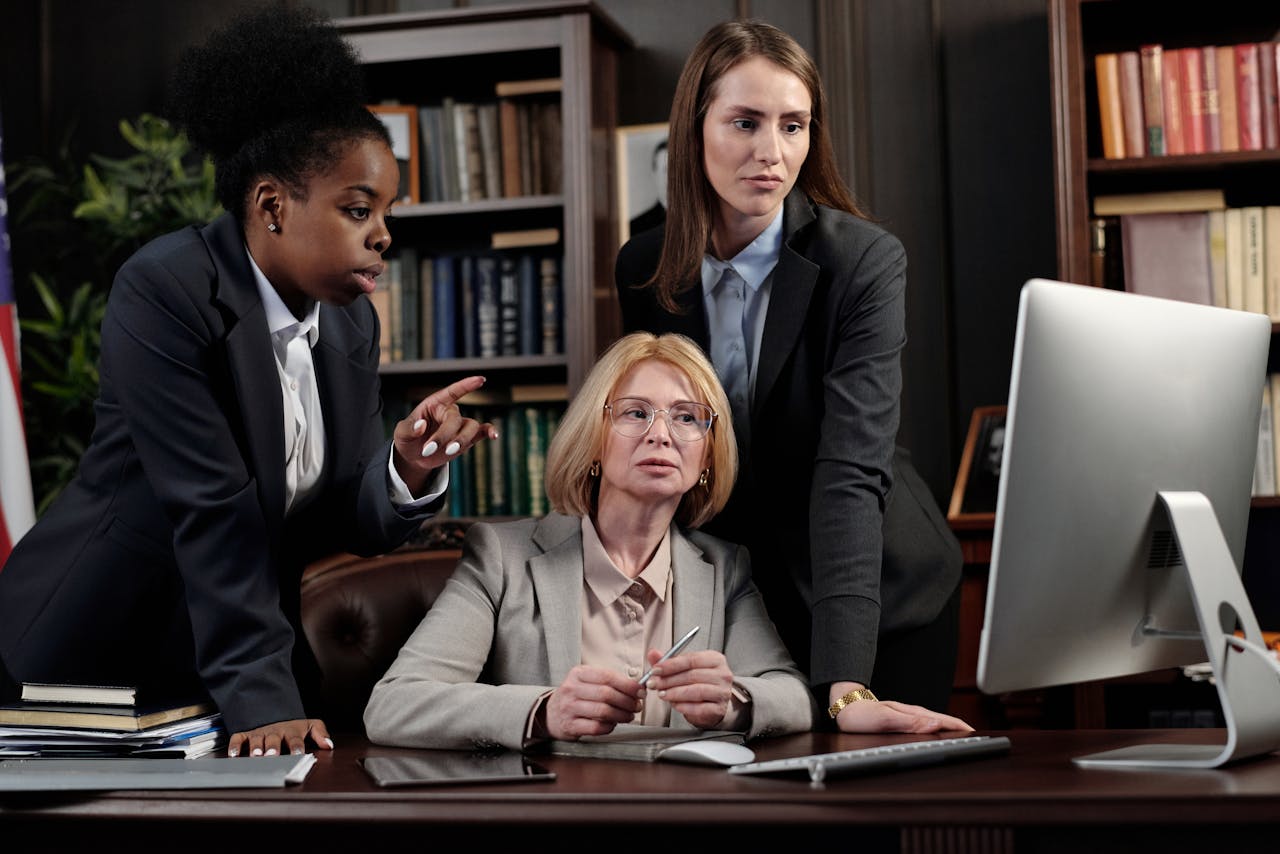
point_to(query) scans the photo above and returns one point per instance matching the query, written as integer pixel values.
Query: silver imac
(1123, 503)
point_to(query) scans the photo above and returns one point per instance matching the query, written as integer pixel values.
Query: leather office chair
(357, 612)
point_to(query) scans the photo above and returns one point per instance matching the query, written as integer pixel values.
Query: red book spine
(1210, 110)
(1269, 73)
(1171, 85)
(1192, 100)
(1135, 124)
(1248, 97)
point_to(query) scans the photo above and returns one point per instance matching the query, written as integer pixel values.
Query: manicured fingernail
(329, 741)
(297, 751)
(493, 434)
(271, 751)
(233, 752)
(257, 751)
(429, 448)
(419, 424)
(451, 449)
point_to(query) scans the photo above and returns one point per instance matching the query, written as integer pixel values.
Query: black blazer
(169, 555)
(811, 497)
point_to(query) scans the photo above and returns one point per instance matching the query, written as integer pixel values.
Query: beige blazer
(508, 626)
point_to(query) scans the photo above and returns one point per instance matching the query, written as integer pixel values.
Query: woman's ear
(267, 207)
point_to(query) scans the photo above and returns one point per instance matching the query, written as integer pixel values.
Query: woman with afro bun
(238, 430)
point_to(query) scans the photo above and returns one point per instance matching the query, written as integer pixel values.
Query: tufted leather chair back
(357, 612)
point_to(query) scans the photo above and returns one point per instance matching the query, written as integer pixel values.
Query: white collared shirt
(304, 433)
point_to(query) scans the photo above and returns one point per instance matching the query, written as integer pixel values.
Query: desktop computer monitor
(1122, 506)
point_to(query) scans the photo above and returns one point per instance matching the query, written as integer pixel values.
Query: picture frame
(401, 121)
(641, 176)
(973, 498)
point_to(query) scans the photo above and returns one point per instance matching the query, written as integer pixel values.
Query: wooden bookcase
(1078, 31)
(422, 58)
(416, 58)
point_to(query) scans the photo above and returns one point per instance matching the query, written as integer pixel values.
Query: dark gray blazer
(168, 557)
(508, 628)
(835, 566)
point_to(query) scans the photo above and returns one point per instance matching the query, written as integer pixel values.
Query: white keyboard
(891, 757)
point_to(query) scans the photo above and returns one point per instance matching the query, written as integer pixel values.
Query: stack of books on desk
(100, 721)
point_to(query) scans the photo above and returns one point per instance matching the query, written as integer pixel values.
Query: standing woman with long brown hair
(766, 261)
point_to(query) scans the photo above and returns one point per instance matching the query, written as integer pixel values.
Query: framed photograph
(973, 500)
(642, 178)
(402, 124)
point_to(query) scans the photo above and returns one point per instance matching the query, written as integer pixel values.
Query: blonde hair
(579, 440)
(691, 200)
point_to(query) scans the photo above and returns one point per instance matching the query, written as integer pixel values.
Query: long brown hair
(691, 199)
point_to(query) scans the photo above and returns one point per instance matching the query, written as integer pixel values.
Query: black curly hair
(277, 91)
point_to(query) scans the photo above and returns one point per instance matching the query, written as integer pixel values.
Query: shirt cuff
(399, 492)
(535, 727)
(738, 718)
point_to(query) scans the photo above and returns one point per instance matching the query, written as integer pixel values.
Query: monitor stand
(1246, 672)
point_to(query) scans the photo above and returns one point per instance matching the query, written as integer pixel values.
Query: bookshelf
(471, 56)
(1080, 30)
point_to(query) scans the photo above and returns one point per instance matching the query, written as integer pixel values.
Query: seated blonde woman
(546, 625)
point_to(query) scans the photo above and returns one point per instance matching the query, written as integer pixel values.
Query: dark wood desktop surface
(1031, 796)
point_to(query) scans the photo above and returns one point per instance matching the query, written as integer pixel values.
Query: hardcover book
(91, 716)
(1152, 66)
(1228, 111)
(1171, 86)
(1167, 255)
(48, 692)
(1110, 113)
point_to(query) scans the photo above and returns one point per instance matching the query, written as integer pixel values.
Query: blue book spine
(509, 304)
(468, 318)
(530, 306)
(487, 307)
(446, 308)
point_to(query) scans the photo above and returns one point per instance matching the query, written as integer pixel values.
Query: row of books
(1189, 245)
(1266, 468)
(503, 147)
(470, 304)
(1157, 101)
(505, 477)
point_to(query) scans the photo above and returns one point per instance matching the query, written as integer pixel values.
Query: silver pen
(675, 648)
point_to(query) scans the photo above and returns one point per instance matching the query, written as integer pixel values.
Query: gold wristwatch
(852, 697)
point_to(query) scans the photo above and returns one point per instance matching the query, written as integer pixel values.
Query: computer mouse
(709, 752)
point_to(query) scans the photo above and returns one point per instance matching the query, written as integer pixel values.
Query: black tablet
(453, 768)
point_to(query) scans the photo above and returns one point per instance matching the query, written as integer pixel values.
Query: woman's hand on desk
(591, 701)
(281, 737)
(890, 715)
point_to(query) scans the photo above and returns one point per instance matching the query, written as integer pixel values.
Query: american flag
(17, 510)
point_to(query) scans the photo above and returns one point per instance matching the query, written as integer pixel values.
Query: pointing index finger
(454, 392)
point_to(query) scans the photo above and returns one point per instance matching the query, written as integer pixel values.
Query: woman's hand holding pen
(698, 685)
(436, 432)
(592, 701)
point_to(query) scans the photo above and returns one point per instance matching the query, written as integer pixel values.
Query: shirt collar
(281, 323)
(606, 581)
(754, 263)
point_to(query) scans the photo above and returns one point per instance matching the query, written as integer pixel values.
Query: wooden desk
(1032, 799)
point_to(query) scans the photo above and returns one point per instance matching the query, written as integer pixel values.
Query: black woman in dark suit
(768, 263)
(238, 429)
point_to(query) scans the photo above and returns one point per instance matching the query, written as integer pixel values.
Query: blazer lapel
(557, 583)
(252, 363)
(794, 278)
(340, 346)
(693, 592)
